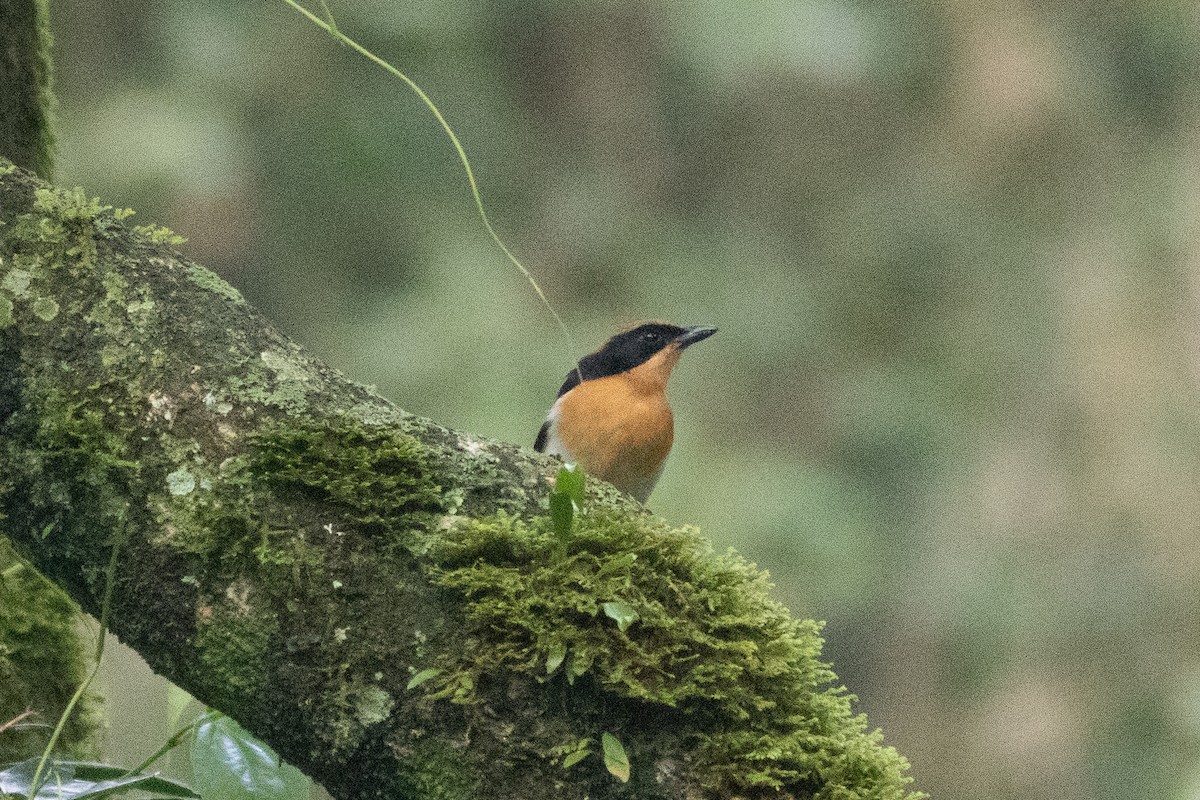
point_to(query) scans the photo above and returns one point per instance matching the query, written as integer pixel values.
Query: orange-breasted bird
(611, 415)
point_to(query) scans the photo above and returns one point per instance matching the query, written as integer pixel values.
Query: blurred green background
(953, 250)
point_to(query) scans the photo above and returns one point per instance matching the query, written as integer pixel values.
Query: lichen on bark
(297, 549)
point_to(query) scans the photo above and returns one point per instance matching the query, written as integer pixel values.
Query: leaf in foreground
(230, 764)
(614, 757)
(78, 780)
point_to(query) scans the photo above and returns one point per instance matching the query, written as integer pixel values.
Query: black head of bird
(612, 416)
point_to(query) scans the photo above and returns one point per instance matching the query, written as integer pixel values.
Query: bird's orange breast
(619, 428)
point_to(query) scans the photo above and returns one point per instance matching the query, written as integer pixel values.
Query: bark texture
(382, 599)
(26, 136)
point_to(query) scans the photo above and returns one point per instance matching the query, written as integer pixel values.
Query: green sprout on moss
(567, 499)
(421, 677)
(572, 752)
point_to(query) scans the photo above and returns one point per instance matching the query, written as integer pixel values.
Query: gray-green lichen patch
(207, 279)
(6, 312)
(45, 309)
(276, 378)
(285, 368)
(181, 482)
(16, 281)
(376, 413)
(372, 705)
(215, 404)
(141, 312)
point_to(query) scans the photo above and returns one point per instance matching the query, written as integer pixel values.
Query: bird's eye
(649, 337)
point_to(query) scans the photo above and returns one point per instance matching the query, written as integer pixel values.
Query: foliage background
(953, 250)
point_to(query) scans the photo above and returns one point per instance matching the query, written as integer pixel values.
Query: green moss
(707, 644)
(74, 476)
(378, 477)
(233, 643)
(27, 103)
(285, 554)
(432, 770)
(159, 234)
(56, 234)
(6, 312)
(66, 206)
(42, 662)
(249, 510)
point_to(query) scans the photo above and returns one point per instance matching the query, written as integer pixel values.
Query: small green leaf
(578, 664)
(555, 655)
(623, 613)
(571, 482)
(562, 514)
(615, 759)
(581, 662)
(421, 677)
(575, 758)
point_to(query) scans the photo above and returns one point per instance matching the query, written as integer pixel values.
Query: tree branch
(380, 598)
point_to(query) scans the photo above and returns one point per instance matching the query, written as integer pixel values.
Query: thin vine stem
(105, 606)
(331, 27)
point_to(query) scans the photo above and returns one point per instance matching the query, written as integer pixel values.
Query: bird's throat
(651, 376)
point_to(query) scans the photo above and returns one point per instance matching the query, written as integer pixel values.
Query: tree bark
(26, 136)
(41, 658)
(383, 600)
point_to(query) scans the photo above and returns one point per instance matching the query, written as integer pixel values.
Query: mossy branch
(383, 600)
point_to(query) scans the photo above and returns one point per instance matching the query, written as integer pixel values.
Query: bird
(611, 416)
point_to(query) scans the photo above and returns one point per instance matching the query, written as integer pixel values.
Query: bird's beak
(692, 335)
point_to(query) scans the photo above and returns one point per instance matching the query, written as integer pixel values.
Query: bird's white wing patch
(554, 445)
